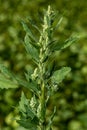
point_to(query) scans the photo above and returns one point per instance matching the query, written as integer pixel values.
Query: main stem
(43, 107)
(44, 41)
(42, 97)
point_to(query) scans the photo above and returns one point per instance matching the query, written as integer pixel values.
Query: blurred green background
(71, 98)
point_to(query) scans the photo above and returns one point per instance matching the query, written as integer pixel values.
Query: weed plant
(44, 80)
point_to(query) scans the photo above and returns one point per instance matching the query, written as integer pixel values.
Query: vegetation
(71, 97)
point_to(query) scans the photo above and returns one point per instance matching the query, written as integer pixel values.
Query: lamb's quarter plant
(44, 80)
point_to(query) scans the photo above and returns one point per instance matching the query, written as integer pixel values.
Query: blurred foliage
(71, 98)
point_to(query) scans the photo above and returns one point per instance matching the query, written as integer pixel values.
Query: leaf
(6, 83)
(28, 117)
(59, 75)
(33, 24)
(24, 107)
(30, 48)
(30, 112)
(7, 79)
(29, 124)
(12, 79)
(31, 85)
(22, 102)
(28, 31)
(7, 72)
(69, 41)
(29, 72)
(58, 24)
(50, 67)
(62, 45)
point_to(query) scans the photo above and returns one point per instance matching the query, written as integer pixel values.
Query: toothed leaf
(23, 101)
(6, 83)
(5, 71)
(28, 118)
(59, 75)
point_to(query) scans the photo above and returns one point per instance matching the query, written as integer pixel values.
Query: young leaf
(7, 83)
(30, 48)
(59, 75)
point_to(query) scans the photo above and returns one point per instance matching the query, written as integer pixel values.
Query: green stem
(43, 107)
(42, 96)
(43, 102)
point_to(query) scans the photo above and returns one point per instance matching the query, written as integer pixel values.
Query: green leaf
(59, 75)
(7, 72)
(28, 31)
(12, 79)
(58, 24)
(7, 83)
(27, 123)
(30, 48)
(69, 41)
(50, 67)
(7, 79)
(62, 45)
(29, 112)
(22, 102)
(31, 85)
(25, 108)
(28, 117)
(33, 24)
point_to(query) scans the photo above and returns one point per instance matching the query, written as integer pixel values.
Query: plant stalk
(43, 95)
(43, 106)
